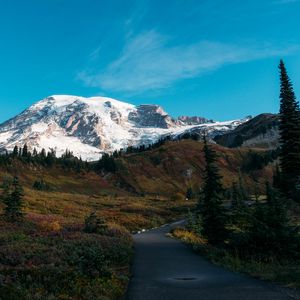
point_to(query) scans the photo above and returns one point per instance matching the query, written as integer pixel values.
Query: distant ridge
(260, 131)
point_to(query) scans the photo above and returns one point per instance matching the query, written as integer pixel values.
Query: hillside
(260, 132)
(173, 167)
(73, 194)
(147, 188)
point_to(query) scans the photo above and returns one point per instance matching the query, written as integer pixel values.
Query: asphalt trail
(165, 268)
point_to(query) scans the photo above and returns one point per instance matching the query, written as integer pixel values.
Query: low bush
(64, 264)
(95, 224)
(177, 197)
(41, 185)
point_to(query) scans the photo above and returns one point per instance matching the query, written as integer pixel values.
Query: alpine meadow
(188, 189)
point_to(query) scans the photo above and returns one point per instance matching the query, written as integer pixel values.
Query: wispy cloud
(148, 62)
(95, 53)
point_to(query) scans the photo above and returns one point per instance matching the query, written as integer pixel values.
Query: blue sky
(212, 58)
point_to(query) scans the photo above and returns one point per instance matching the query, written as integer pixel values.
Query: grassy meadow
(50, 255)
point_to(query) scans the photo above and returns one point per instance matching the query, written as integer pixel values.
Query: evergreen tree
(189, 193)
(256, 191)
(239, 210)
(210, 203)
(15, 151)
(25, 151)
(116, 154)
(276, 177)
(276, 208)
(236, 198)
(6, 190)
(289, 128)
(297, 190)
(13, 200)
(34, 152)
(42, 154)
(269, 230)
(243, 193)
(238, 194)
(68, 154)
(106, 163)
(50, 158)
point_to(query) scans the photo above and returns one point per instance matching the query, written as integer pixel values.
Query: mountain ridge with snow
(92, 126)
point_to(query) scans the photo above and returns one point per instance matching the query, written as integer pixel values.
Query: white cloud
(147, 62)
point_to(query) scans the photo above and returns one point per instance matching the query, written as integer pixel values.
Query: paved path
(164, 269)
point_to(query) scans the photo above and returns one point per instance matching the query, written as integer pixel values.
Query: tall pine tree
(13, 200)
(210, 203)
(15, 151)
(237, 199)
(289, 128)
(25, 151)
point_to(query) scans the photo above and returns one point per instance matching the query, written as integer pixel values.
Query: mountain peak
(94, 102)
(91, 126)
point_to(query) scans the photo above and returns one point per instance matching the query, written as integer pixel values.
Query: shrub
(41, 185)
(53, 226)
(194, 223)
(7, 181)
(95, 224)
(177, 197)
(68, 264)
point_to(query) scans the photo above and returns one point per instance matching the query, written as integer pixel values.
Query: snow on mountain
(91, 126)
(195, 120)
(260, 132)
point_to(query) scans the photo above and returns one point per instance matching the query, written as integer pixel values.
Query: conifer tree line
(107, 161)
(47, 159)
(265, 229)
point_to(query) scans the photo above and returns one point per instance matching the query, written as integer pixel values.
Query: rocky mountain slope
(91, 126)
(194, 120)
(260, 132)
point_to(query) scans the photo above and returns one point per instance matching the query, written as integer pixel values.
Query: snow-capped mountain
(91, 126)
